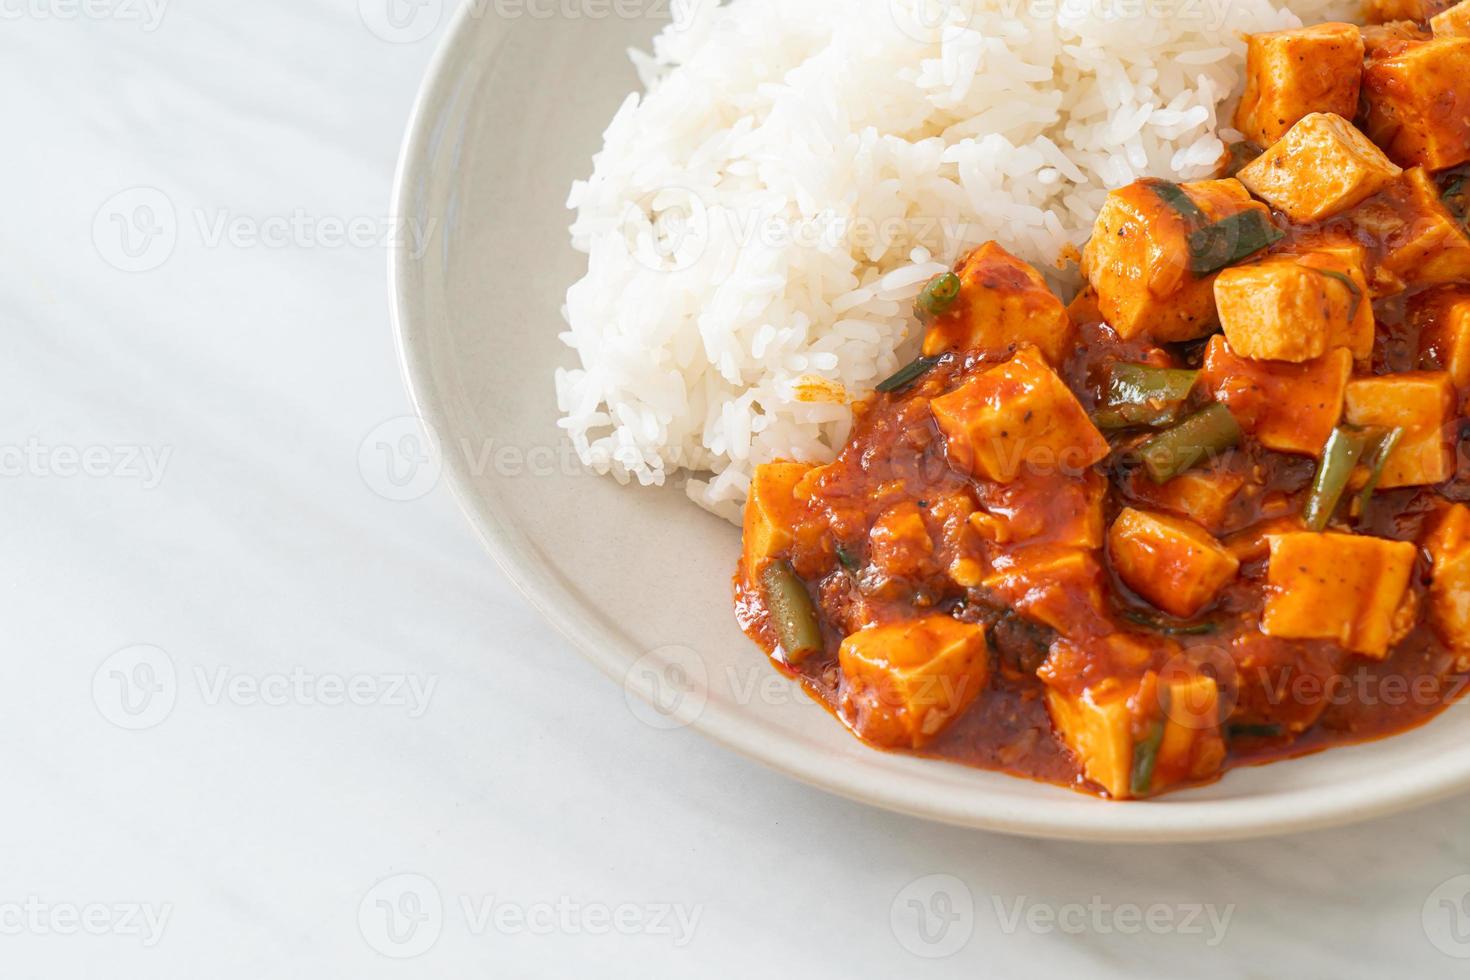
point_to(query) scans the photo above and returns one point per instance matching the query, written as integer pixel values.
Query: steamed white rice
(758, 223)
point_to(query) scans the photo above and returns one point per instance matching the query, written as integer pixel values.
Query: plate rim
(1173, 819)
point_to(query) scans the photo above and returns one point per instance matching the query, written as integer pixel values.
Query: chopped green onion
(1375, 462)
(1146, 752)
(849, 561)
(1242, 152)
(1139, 384)
(940, 293)
(1343, 450)
(1169, 629)
(1174, 196)
(1214, 245)
(1141, 394)
(1347, 281)
(1202, 435)
(1246, 730)
(1229, 240)
(1454, 189)
(907, 375)
(1130, 416)
(792, 612)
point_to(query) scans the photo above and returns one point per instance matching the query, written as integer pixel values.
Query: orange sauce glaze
(896, 453)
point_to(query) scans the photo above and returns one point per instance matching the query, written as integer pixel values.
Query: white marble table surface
(262, 722)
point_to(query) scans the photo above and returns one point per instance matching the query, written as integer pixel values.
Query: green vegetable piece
(1174, 196)
(907, 375)
(1376, 460)
(1229, 240)
(1133, 416)
(939, 294)
(1206, 433)
(1143, 395)
(1242, 152)
(1453, 196)
(1141, 384)
(1169, 629)
(1246, 730)
(1146, 755)
(849, 561)
(792, 612)
(1343, 450)
(1347, 281)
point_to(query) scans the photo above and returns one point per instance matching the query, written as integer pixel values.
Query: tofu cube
(1340, 587)
(1295, 308)
(1192, 746)
(1418, 102)
(1138, 259)
(1017, 418)
(1170, 561)
(1290, 74)
(1290, 408)
(1336, 242)
(899, 544)
(1444, 338)
(1387, 12)
(1454, 22)
(1057, 587)
(1448, 545)
(1103, 726)
(771, 513)
(1422, 403)
(1003, 303)
(1097, 726)
(1419, 241)
(1322, 166)
(904, 681)
(1044, 510)
(1203, 495)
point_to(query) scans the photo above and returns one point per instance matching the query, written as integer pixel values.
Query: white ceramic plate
(639, 579)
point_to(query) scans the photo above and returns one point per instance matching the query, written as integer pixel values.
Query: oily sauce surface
(896, 453)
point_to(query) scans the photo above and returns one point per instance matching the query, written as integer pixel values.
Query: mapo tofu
(1094, 543)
